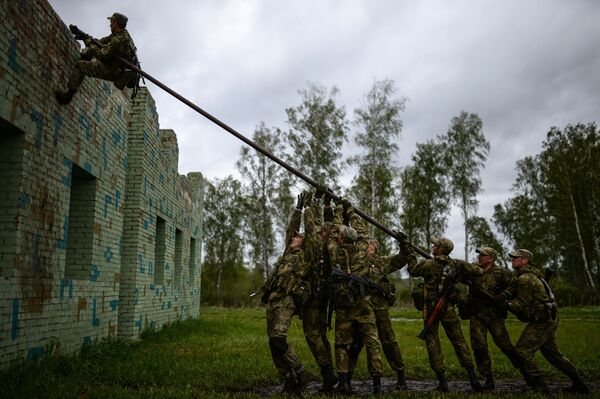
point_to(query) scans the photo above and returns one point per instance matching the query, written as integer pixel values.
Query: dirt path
(388, 385)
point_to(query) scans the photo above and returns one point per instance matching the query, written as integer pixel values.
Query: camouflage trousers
(451, 324)
(479, 328)
(541, 336)
(359, 316)
(279, 317)
(314, 325)
(387, 337)
(96, 69)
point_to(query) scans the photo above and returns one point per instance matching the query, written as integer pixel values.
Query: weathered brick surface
(81, 190)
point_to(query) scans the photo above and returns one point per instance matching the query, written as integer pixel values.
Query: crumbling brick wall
(90, 201)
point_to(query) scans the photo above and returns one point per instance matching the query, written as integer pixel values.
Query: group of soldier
(334, 266)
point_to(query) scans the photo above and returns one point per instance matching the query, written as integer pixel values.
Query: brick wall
(82, 188)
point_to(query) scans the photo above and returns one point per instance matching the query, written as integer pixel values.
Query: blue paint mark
(85, 123)
(116, 138)
(169, 305)
(14, 323)
(104, 153)
(12, 56)
(125, 163)
(35, 353)
(38, 119)
(114, 304)
(152, 287)
(97, 111)
(167, 266)
(106, 87)
(120, 111)
(95, 321)
(94, 273)
(87, 340)
(150, 268)
(108, 254)
(65, 283)
(150, 202)
(117, 199)
(107, 201)
(138, 324)
(146, 137)
(57, 122)
(24, 199)
(160, 205)
(146, 223)
(161, 178)
(141, 262)
(69, 177)
(87, 167)
(62, 243)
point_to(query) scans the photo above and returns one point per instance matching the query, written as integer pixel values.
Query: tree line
(553, 207)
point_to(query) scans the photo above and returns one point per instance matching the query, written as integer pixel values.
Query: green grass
(225, 354)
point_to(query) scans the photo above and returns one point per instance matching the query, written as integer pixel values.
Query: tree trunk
(218, 284)
(465, 214)
(586, 266)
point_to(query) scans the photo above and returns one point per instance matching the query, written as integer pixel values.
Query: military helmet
(120, 18)
(487, 251)
(349, 234)
(444, 243)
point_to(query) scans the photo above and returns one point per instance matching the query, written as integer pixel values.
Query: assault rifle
(448, 289)
(364, 283)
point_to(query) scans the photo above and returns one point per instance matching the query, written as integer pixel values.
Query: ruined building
(99, 234)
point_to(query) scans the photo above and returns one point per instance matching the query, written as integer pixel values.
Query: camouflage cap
(349, 234)
(120, 18)
(444, 243)
(487, 251)
(374, 242)
(522, 253)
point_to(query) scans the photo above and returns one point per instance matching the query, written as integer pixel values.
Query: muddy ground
(388, 385)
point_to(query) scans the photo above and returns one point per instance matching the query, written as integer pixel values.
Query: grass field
(225, 354)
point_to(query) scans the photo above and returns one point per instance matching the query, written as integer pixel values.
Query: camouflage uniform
(286, 289)
(107, 66)
(535, 305)
(486, 317)
(431, 271)
(352, 310)
(379, 268)
(314, 312)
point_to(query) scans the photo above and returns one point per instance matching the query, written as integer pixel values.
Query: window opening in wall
(160, 249)
(80, 232)
(178, 256)
(192, 264)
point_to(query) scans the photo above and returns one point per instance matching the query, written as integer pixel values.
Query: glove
(346, 204)
(319, 193)
(327, 199)
(300, 201)
(400, 236)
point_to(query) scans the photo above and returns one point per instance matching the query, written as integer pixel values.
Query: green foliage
(373, 188)
(466, 152)
(319, 128)
(425, 196)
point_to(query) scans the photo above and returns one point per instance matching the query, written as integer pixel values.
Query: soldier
(314, 313)
(495, 285)
(353, 306)
(434, 272)
(286, 290)
(107, 65)
(535, 305)
(379, 268)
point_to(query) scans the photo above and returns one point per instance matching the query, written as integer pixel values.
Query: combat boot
(475, 385)
(578, 386)
(489, 384)
(302, 378)
(289, 385)
(538, 384)
(401, 381)
(376, 385)
(66, 97)
(344, 386)
(442, 382)
(329, 378)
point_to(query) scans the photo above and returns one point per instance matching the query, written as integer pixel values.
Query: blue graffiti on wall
(62, 243)
(65, 283)
(38, 119)
(94, 273)
(12, 56)
(14, 327)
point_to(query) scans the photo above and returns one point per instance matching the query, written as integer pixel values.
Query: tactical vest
(540, 310)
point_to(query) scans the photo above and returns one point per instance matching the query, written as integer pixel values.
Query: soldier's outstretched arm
(469, 271)
(358, 224)
(294, 224)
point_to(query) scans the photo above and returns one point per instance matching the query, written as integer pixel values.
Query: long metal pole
(258, 148)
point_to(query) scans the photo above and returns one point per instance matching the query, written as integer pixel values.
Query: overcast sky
(522, 66)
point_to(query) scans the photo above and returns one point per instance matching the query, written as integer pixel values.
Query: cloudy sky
(522, 66)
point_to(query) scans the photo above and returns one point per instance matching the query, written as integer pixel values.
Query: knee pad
(278, 345)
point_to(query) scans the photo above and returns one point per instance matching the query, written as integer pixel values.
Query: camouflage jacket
(495, 281)
(349, 258)
(432, 270)
(532, 299)
(115, 45)
(321, 270)
(290, 274)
